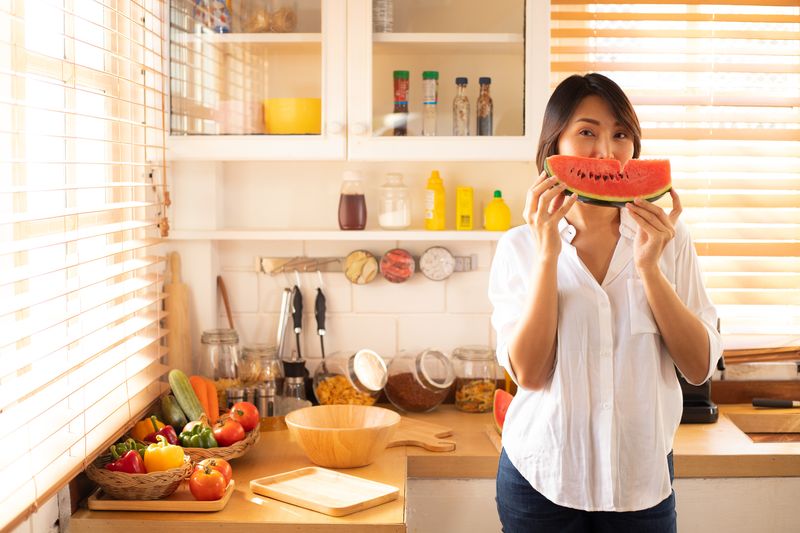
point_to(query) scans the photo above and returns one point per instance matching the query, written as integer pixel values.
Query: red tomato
(220, 465)
(207, 484)
(228, 431)
(246, 414)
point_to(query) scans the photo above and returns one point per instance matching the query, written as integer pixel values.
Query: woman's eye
(586, 133)
(621, 135)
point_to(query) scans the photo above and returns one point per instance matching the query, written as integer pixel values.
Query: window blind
(82, 209)
(716, 86)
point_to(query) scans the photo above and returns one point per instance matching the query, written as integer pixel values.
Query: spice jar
(350, 378)
(419, 383)
(220, 359)
(476, 377)
(395, 206)
(352, 203)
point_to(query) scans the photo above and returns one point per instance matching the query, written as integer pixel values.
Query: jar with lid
(260, 364)
(220, 359)
(347, 377)
(476, 378)
(418, 383)
(352, 203)
(395, 205)
(282, 15)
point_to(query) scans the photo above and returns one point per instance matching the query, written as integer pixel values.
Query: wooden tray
(325, 491)
(181, 501)
(426, 435)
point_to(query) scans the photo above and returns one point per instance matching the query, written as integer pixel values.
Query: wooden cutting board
(325, 491)
(180, 501)
(179, 338)
(426, 435)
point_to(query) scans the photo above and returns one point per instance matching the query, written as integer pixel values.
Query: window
(716, 86)
(81, 209)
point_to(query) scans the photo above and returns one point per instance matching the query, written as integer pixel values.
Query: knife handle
(319, 311)
(297, 309)
(771, 402)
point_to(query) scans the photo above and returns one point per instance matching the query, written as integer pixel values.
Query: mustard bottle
(434, 203)
(497, 215)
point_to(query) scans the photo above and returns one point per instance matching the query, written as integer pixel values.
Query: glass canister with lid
(476, 378)
(260, 364)
(418, 383)
(347, 377)
(220, 359)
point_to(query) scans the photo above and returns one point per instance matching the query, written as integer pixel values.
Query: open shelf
(451, 43)
(332, 235)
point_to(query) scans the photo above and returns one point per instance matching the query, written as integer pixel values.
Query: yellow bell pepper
(162, 456)
(143, 428)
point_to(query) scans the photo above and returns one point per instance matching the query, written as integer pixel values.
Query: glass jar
(260, 364)
(419, 383)
(350, 378)
(282, 16)
(476, 378)
(352, 203)
(220, 359)
(252, 16)
(395, 205)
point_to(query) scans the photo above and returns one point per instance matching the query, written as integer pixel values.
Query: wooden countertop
(702, 450)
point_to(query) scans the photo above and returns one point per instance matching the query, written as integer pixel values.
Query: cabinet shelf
(451, 43)
(286, 39)
(332, 235)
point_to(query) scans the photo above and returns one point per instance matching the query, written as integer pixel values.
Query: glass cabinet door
(257, 78)
(446, 79)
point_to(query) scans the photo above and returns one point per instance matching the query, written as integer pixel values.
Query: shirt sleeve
(691, 290)
(507, 295)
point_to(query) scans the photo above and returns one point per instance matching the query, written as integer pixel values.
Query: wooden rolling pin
(179, 340)
(224, 292)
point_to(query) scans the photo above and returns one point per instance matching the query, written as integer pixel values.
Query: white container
(395, 205)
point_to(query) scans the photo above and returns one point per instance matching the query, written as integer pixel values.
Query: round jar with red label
(397, 265)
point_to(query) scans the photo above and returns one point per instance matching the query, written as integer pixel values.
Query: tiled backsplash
(382, 316)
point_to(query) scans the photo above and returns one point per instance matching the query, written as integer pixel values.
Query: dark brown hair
(566, 98)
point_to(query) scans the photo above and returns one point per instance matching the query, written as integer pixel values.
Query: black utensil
(319, 313)
(771, 402)
(297, 317)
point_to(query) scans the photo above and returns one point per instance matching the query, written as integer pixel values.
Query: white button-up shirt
(597, 436)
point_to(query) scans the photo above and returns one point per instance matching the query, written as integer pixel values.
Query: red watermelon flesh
(502, 400)
(606, 182)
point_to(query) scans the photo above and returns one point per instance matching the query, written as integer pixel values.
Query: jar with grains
(419, 383)
(476, 378)
(261, 364)
(282, 16)
(350, 378)
(220, 359)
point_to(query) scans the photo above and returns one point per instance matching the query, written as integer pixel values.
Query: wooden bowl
(342, 436)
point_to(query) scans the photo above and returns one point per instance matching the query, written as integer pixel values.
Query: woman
(594, 307)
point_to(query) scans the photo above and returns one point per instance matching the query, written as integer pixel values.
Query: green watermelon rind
(607, 201)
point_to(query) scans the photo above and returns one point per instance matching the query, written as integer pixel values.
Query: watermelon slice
(606, 182)
(502, 400)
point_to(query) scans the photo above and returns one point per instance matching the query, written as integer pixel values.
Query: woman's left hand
(656, 229)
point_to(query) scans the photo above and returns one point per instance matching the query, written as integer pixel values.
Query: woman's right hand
(545, 205)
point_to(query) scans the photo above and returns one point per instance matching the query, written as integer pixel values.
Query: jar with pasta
(476, 378)
(220, 359)
(355, 378)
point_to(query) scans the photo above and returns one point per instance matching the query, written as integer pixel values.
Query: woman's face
(593, 131)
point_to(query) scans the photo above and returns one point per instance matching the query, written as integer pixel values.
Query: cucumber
(185, 395)
(173, 414)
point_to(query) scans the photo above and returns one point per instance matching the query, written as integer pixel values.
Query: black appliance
(697, 405)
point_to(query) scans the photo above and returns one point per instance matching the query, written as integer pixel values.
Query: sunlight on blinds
(82, 208)
(716, 86)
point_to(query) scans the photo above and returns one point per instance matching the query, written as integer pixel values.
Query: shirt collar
(627, 226)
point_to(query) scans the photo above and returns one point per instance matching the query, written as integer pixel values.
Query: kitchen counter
(715, 450)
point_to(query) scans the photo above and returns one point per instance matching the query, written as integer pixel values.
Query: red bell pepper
(130, 463)
(168, 432)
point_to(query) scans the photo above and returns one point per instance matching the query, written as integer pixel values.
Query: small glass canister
(476, 378)
(220, 359)
(350, 378)
(260, 364)
(282, 15)
(419, 383)
(395, 206)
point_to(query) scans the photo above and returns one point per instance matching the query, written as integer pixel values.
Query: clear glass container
(461, 108)
(395, 204)
(251, 16)
(260, 364)
(352, 202)
(430, 100)
(282, 15)
(419, 383)
(347, 377)
(476, 378)
(484, 108)
(382, 16)
(220, 359)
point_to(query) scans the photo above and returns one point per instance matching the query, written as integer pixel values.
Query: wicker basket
(124, 486)
(227, 452)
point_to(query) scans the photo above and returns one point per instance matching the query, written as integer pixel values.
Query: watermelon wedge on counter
(606, 182)
(502, 400)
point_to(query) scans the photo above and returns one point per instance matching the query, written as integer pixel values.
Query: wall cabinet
(219, 81)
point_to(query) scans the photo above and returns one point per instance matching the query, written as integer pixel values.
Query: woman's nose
(602, 148)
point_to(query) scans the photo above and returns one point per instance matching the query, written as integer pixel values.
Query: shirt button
(606, 405)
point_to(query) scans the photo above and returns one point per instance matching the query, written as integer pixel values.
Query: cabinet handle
(335, 128)
(359, 129)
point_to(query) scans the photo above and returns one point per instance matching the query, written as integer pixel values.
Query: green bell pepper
(198, 437)
(121, 448)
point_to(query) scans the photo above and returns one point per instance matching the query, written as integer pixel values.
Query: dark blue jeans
(522, 509)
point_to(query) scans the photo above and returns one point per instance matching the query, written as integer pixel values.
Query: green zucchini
(173, 414)
(185, 395)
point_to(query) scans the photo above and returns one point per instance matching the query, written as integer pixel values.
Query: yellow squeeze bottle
(434, 203)
(464, 208)
(497, 215)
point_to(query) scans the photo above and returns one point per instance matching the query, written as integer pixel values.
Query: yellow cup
(293, 116)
